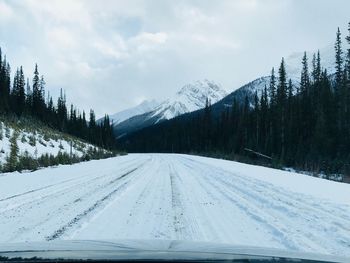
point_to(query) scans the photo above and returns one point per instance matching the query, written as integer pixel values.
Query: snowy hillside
(249, 89)
(181, 197)
(36, 142)
(143, 107)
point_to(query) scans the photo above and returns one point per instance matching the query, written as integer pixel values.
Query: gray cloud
(110, 55)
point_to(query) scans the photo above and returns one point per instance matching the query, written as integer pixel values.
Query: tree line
(305, 125)
(21, 99)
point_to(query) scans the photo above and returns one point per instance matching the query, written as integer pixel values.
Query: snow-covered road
(165, 196)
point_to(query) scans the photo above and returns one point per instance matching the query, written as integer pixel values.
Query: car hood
(151, 250)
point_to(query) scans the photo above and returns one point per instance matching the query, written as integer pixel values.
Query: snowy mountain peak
(189, 98)
(205, 87)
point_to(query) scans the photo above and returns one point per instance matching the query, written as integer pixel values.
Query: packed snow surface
(183, 197)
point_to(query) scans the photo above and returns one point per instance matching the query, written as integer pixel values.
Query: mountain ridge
(189, 98)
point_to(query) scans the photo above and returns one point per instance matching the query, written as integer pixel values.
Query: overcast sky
(110, 54)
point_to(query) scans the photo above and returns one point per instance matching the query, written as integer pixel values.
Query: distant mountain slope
(143, 107)
(190, 98)
(248, 90)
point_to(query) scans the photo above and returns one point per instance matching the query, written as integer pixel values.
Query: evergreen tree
(93, 134)
(37, 95)
(61, 112)
(348, 52)
(281, 102)
(338, 59)
(346, 92)
(21, 92)
(4, 85)
(12, 160)
(305, 106)
(318, 69)
(18, 93)
(272, 88)
(264, 131)
(273, 143)
(29, 98)
(14, 93)
(340, 92)
(305, 78)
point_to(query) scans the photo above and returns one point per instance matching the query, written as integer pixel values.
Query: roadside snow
(167, 196)
(303, 184)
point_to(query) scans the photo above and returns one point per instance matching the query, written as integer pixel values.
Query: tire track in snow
(63, 208)
(38, 200)
(156, 196)
(279, 203)
(296, 200)
(177, 207)
(98, 204)
(190, 216)
(79, 182)
(35, 190)
(264, 210)
(300, 200)
(253, 208)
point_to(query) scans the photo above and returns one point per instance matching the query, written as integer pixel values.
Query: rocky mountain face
(189, 98)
